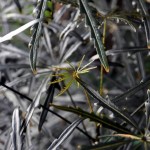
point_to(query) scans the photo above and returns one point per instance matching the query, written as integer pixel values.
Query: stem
(88, 100)
(71, 99)
(101, 80)
(101, 71)
(104, 32)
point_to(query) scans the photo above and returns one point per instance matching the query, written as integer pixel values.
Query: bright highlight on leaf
(11, 34)
(70, 74)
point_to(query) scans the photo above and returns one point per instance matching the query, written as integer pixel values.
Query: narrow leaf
(108, 104)
(131, 91)
(49, 99)
(95, 33)
(147, 113)
(146, 20)
(126, 17)
(66, 133)
(16, 125)
(130, 50)
(147, 30)
(59, 116)
(107, 123)
(133, 137)
(106, 146)
(65, 88)
(33, 105)
(17, 2)
(36, 32)
(10, 35)
(125, 20)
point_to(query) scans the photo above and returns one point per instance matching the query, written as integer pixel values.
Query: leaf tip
(34, 71)
(107, 69)
(39, 128)
(148, 45)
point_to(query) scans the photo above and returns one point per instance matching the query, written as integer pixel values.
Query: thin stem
(145, 146)
(101, 70)
(101, 80)
(72, 101)
(88, 101)
(104, 32)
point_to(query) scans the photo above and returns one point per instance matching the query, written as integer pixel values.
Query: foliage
(79, 79)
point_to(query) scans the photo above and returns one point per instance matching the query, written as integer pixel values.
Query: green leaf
(106, 146)
(65, 88)
(95, 33)
(107, 104)
(36, 32)
(107, 123)
(48, 13)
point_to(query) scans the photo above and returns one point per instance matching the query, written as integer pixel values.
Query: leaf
(66, 87)
(107, 145)
(13, 66)
(70, 51)
(14, 49)
(36, 32)
(18, 5)
(95, 33)
(58, 80)
(49, 99)
(107, 123)
(16, 125)
(48, 13)
(147, 113)
(11, 34)
(126, 17)
(16, 81)
(133, 137)
(147, 31)
(131, 92)
(33, 105)
(56, 114)
(125, 20)
(68, 29)
(66, 133)
(146, 21)
(108, 104)
(130, 50)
